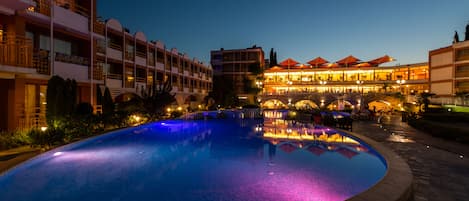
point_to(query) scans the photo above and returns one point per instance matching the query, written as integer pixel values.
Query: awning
(381, 60)
(318, 61)
(289, 62)
(347, 61)
(364, 64)
(276, 68)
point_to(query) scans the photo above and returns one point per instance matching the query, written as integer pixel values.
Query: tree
(156, 98)
(275, 59)
(456, 37)
(271, 57)
(223, 91)
(108, 103)
(99, 96)
(467, 33)
(61, 99)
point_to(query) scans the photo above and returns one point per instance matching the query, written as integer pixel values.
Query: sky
(300, 29)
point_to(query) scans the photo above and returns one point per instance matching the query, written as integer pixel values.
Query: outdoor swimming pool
(216, 159)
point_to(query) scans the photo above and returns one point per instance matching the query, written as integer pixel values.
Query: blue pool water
(216, 159)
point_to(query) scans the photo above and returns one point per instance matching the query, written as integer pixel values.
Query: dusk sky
(300, 29)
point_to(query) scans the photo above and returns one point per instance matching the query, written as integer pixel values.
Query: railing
(98, 73)
(16, 51)
(151, 61)
(34, 117)
(98, 27)
(42, 6)
(140, 79)
(141, 54)
(114, 76)
(41, 62)
(115, 46)
(71, 59)
(129, 55)
(73, 6)
(462, 74)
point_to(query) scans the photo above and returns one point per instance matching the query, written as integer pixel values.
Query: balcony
(73, 59)
(73, 6)
(16, 51)
(99, 27)
(42, 7)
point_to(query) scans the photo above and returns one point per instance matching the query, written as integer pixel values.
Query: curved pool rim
(396, 184)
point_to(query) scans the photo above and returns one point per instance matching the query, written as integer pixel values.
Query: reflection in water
(207, 159)
(289, 136)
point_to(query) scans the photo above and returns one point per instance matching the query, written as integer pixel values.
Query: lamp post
(360, 82)
(400, 82)
(289, 83)
(322, 83)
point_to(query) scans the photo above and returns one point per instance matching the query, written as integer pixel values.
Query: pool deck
(11, 158)
(439, 173)
(438, 169)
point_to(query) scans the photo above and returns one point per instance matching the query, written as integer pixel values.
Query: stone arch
(340, 105)
(309, 104)
(273, 104)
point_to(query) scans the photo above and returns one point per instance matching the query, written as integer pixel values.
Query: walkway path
(440, 167)
(12, 157)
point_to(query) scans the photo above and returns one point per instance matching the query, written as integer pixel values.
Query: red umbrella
(289, 62)
(381, 60)
(350, 60)
(347, 152)
(318, 61)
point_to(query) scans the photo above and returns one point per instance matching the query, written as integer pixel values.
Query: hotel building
(94, 53)
(292, 79)
(449, 73)
(236, 66)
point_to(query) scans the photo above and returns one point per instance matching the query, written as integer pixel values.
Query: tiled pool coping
(396, 185)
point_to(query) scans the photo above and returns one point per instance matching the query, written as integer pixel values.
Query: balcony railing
(98, 70)
(42, 6)
(115, 46)
(73, 6)
(41, 62)
(129, 56)
(71, 59)
(98, 27)
(141, 54)
(114, 76)
(140, 79)
(16, 51)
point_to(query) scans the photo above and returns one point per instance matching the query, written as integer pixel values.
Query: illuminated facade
(449, 74)
(305, 80)
(94, 53)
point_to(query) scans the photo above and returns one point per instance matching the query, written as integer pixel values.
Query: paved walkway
(12, 157)
(440, 167)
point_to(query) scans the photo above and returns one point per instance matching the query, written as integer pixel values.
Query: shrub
(9, 140)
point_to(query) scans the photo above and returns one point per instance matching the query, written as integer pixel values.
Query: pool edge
(396, 185)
